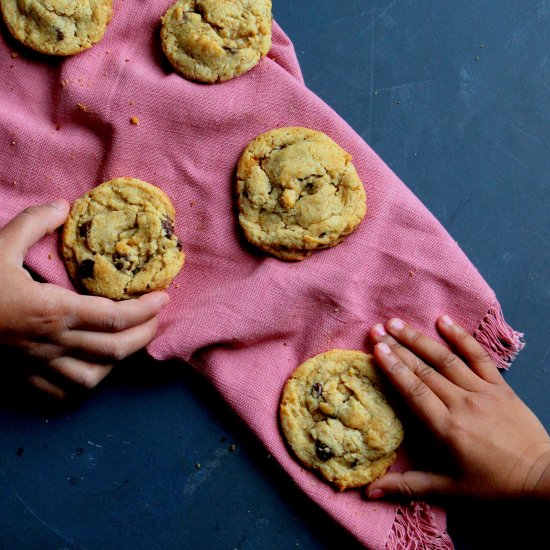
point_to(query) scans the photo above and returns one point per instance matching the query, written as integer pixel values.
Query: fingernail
(384, 348)
(376, 493)
(60, 204)
(446, 320)
(379, 330)
(165, 299)
(396, 324)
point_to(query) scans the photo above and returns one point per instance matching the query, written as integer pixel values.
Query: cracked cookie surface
(297, 191)
(216, 40)
(57, 27)
(119, 241)
(337, 420)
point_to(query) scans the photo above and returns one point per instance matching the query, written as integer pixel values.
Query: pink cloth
(244, 320)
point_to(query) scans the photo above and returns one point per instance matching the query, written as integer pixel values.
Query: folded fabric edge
(415, 527)
(500, 340)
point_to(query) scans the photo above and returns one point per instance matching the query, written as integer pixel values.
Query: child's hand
(68, 340)
(500, 447)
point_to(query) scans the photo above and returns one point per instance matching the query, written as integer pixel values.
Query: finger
(436, 354)
(92, 313)
(442, 387)
(418, 395)
(378, 334)
(82, 373)
(412, 484)
(104, 347)
(470, 349)
(30, 226)
(46, 387)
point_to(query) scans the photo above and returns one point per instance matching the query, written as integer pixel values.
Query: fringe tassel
(499, 339)
(414, 529)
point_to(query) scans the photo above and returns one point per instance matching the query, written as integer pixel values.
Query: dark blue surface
(454, 96)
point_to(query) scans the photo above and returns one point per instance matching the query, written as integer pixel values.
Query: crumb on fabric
(134, 120)
(14, 55)
(58, 126)
(412, 273)
(82, 107)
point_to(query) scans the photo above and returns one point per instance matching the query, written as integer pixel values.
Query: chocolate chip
(120, 260)
(167, 226)
(317, 390)
(84, 228)
(60, 35)
(86, 269)
(323, 451)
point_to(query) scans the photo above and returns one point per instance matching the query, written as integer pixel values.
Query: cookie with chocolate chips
(297, 192)
(216, 40)
(57, 27)
(119, 241)
(337, 419)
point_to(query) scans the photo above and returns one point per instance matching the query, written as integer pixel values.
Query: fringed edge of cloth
(500, 340)
(414, 528)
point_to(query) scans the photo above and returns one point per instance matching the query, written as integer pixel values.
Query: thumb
(29, 226)
(411, 484)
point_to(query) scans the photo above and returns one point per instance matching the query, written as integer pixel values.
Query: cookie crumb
(82, 107)
(12, 142)
(198, 465)
(192, 203)
(412, 273)
(58, 126)
(134, 120)
(50, 256)
(14, 55)
(232, 448)
(64, 83)
(131, 102)
(14, 183)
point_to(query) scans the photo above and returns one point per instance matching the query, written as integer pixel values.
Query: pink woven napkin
(244, 320)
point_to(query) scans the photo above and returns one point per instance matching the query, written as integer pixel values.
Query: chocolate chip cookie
(216, 40)
(337, 419)
(57, 27)
(297, 191)
(119, 241)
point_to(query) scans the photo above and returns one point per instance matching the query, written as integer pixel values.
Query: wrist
(537, 485)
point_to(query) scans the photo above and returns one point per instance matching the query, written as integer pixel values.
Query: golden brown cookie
(119, 241)
(57, 27)
(337, 420)
(216, 40)
(297, 191)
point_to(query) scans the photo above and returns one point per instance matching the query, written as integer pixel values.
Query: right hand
(68, 340)
(500, 448)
